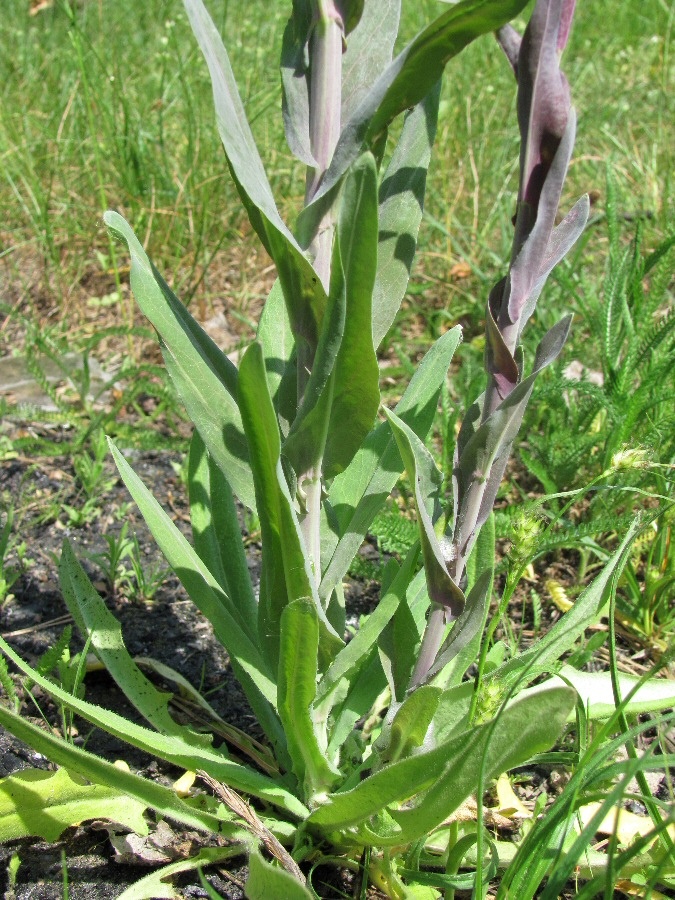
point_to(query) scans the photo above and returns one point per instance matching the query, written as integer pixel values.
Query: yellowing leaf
(509, 804)
(43, 804)
(627, 825)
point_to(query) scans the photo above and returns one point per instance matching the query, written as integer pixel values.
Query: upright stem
(325, 98)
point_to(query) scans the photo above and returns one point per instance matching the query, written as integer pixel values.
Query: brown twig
(241, 808)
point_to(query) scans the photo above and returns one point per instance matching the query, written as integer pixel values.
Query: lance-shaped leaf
(426, 480)
(276, 337)
(351, 657)
(141, 790)
(303, 292)
(586, 610)
(370, 47)
(209, 597)
(216, 533)
(469, 625)
(205, 378)
(171, 748)
(98, 623)
(409, 78)
(445, 776)
(359, 492)
(286, 572)
(484, 449)
(298, 665)
(399, 643)
(401, 205)
(342, 395)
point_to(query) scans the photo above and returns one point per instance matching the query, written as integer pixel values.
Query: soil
(166, 627)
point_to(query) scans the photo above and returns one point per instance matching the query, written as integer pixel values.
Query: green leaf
(98, 623)
(401, 206)
(426, 480)
(286, 572)
(352, 656)
(303, 292)
(370, 47)
(406, 81)
(597, 695)
(586, 610)
(141, 790)
(410, 723)
(275, 335)
(216, 533)
(171, 748)
(342, 395)
(247, 661)
(35, 803)
(358, 493)
(154, 886)
(446, 775)
(356, 394)
(266, 880)
(204, 377)
(298, 666)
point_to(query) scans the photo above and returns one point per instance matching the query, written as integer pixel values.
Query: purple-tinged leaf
(426, 480)
(543, 97)
(480, 467)
(509, 40)
(409, 78)
(534, 226)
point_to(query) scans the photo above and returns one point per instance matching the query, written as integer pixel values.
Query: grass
(110, 106)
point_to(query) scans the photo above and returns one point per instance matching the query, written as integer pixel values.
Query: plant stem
(325, 99)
